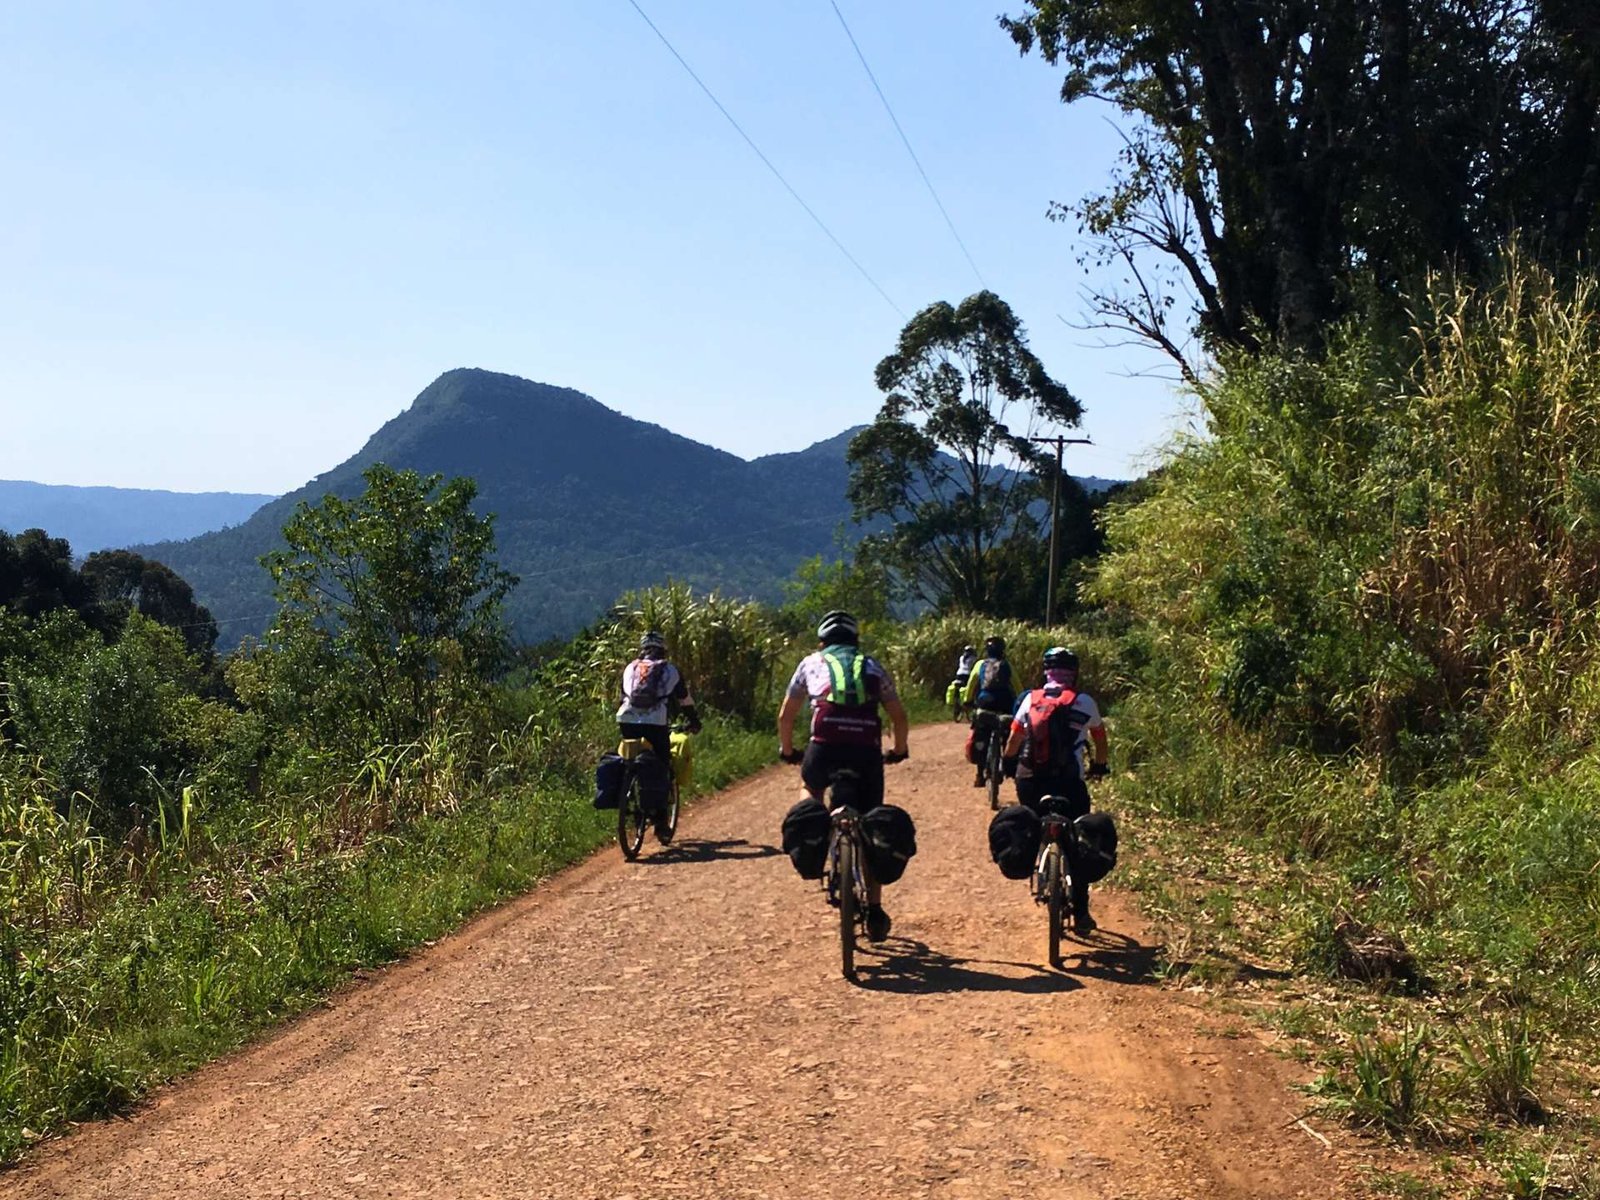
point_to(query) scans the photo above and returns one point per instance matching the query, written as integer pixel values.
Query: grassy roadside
(1498, 1099)
(155, 987)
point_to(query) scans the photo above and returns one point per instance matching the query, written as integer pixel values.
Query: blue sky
(237, 238)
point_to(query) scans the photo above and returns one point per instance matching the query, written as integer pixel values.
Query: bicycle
(845, 877)
(632, 817)
(991, 769)
(1052, 879)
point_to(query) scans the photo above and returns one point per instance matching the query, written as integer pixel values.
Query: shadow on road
(904, 965)
(698, 850)
(1110, 956)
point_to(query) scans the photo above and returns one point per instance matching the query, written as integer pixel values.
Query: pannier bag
(891, 840)
(972, 746)
(806, 828)
(987, 719)
(683, 762)
(1014, 840)
(1097, 837)
(609, 773)
(655, 780)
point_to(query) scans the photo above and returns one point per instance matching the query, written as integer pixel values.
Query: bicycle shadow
(701, 850)
(903, 965)
(1111, 957)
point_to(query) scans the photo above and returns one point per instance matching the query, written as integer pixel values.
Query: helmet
(967, 649)
(995, 647)
(1060, 658)
(652, 644)
(838, 626)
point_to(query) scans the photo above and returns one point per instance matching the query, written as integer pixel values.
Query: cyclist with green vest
(846, 689)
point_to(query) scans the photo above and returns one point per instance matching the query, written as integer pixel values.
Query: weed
(1502, 1057)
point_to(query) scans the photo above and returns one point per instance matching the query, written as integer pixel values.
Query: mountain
(105, 518)
(588, 504)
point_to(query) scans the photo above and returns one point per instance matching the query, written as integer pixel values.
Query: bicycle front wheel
(845, 881)
(631, 820)
(668, 827)
(1055, 896)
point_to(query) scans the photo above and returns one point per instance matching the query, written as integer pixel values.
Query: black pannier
(1014, 840)
(1097, 841)
(609, 774)
(986, 720)
(655, 779)
(806, 828)
(891, 840)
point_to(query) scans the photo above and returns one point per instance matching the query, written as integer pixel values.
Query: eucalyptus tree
(948, 461)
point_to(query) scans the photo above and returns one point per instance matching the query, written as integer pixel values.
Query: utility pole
(1060, 443)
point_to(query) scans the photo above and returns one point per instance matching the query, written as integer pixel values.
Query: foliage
(944, 463)
(125, 582)
(730, 651)
(863, 587)
(389, 603)
(1355, 624)
(923, 653)
(1287, 160)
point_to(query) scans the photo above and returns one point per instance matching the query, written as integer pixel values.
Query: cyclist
(992, 698)
(1052, 726)
(845, 688)
(955, 692)
(649, 684)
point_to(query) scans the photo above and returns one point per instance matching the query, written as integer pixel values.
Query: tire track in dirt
(678, 1027)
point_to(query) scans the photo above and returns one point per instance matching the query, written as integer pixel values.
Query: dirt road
(678, 1027)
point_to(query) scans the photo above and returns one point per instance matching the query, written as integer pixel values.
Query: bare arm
(1097, 735)
(787, 713)
(1014, 742)
(901, 724)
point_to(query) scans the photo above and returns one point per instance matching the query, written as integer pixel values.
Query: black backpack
(891, 840)
(1014, 840)
(806, 827)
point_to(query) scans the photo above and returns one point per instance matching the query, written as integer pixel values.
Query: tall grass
(1361, 623)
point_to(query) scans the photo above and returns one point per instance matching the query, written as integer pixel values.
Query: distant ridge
(105, 518)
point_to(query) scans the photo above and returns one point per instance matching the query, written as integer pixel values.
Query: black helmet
(838, 626)
(968, 649)
(1059, 658)
(995, 647)
(653, 645)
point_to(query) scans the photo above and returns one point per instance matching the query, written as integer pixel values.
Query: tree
(125, 582)
(1288, 156)
(37, 575)
(942, 460)
(390, 604)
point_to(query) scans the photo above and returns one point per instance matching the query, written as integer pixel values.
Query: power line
(749, 141)
(906, 142)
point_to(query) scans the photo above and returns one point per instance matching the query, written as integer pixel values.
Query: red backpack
(1053, 728)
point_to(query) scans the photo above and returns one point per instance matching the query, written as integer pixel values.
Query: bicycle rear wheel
(630, 819)
(845, 881)
(1054, 900)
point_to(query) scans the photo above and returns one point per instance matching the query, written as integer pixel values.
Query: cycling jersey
(833, 723)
